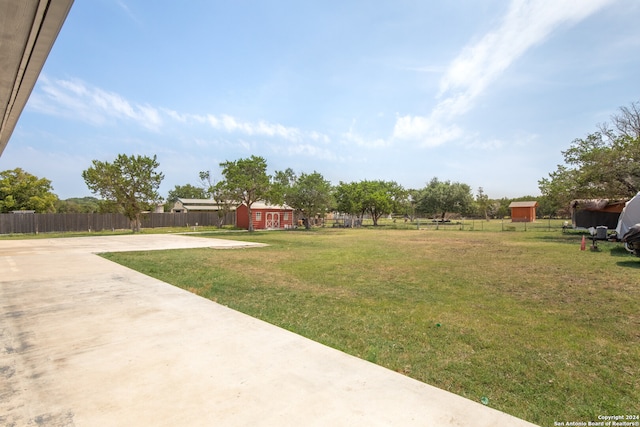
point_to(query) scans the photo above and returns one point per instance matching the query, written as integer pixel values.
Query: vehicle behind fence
(25, 223)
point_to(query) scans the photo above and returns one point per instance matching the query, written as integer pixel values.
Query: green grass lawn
(543, 330)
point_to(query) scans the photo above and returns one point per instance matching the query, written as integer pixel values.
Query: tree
(483, 203)
(130, 182)
(78, 205)
(309, 194)
(382, 198)
(625, 123)
(442, 197)
(348, 199)
(605, 164)
(559, 189)
(217, 192)
(596, 167)
(493, 208)
(502, 207)
(20, 190)
(282, 183)
(186, 191)
(377, 198)
(207, 183)
(245, 181)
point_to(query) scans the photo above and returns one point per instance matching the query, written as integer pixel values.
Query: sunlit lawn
(545, 331)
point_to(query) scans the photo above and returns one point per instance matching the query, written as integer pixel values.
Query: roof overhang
(28, 29)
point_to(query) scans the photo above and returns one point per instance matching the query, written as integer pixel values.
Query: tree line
(129, 185)
(246, 181)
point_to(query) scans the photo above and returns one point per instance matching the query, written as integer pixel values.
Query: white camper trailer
(629, 216)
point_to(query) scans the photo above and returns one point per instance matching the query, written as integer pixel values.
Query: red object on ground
(583, 245)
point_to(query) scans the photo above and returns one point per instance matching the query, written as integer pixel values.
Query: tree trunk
(135, 224)
(250, 218)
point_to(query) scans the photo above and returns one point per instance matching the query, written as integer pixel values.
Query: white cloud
(488, 145)
(261, 128)
(75, 87)
(319, 137)
(151, 115)
(311, 150)
(128, 11)
(526, 24)
(352, 137)
(426, 130)
(75, 99)
(63, 99)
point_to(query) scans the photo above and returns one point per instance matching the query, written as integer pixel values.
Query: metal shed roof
(532, 204)
(189, 202)
(263, 205)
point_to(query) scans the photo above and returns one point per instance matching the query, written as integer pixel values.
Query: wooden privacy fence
(16, 223)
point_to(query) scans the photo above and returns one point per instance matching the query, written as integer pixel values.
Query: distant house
(596, 213)
(198, 205)
(523, 211)
(265, 217)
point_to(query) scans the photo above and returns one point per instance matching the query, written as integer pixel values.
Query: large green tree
(559, 189)
(348, 199)
(595, 167)
(186, 191)
(309, 194)
(440, 197)
(129, 182)
(78, 205)
(376, 198)
(20, 190)
(382, 198)
(605, 167)
(245, 181)
(605, 164)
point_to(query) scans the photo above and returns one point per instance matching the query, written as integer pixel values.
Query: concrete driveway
(86, 342)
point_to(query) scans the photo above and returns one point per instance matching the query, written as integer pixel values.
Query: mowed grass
(543, 330)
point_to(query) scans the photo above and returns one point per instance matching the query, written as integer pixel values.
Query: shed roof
(203, 202)
(201, 205)
(531, 204)
(263, 205)
(204, 207)
(210, 204)
(597, 204)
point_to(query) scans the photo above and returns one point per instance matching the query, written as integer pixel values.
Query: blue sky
(482, 92)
